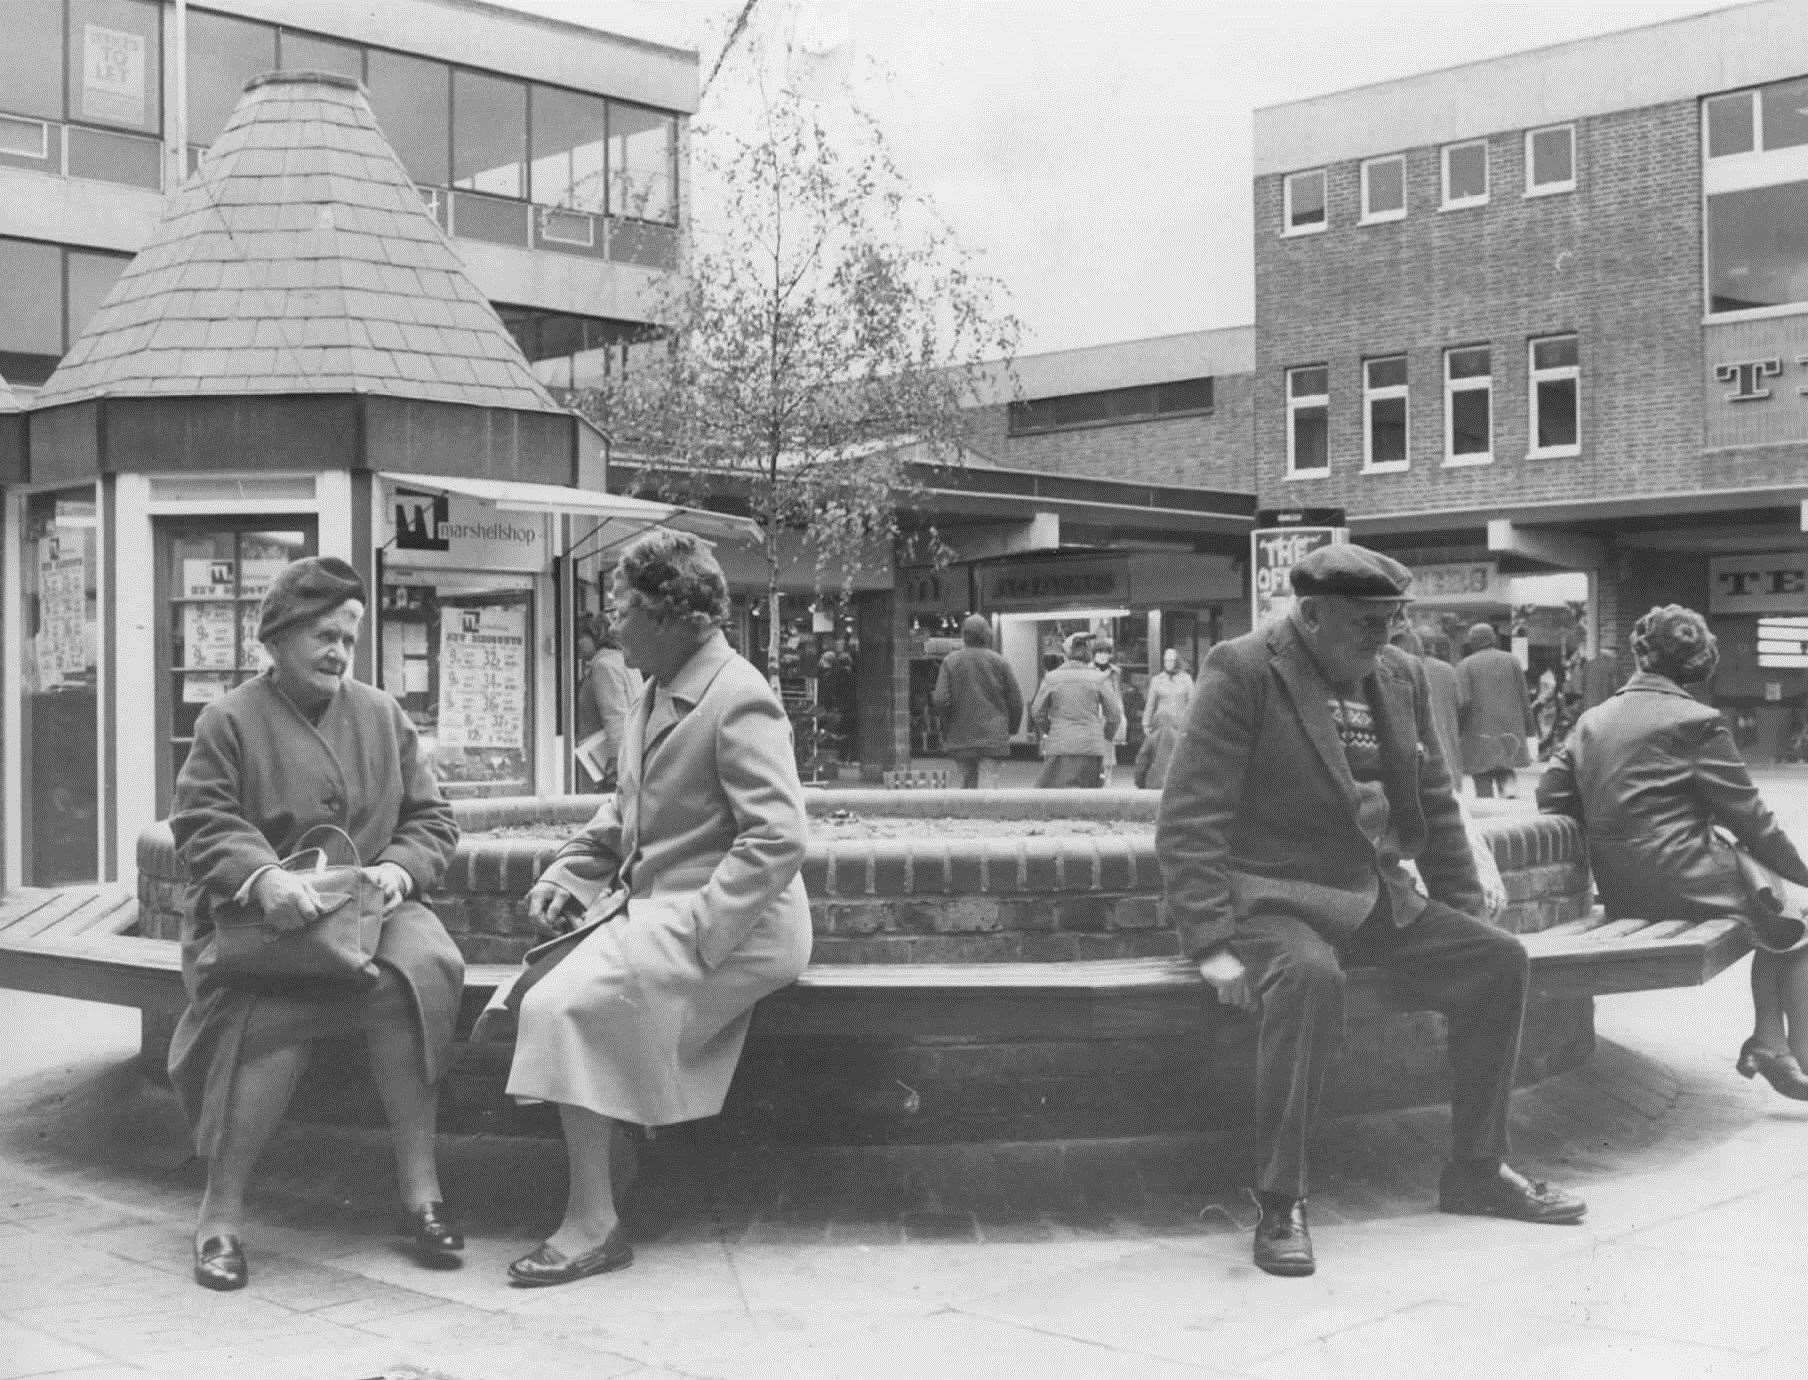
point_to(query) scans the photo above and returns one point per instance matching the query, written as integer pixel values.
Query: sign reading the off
(1273, 552)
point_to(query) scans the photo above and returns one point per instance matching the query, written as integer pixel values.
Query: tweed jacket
(1259, 814)
(1649, 773)
(1077, 711)
(709, 813)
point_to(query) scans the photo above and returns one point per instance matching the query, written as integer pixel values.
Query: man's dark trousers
(1443, 961)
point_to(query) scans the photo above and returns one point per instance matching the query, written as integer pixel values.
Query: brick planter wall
(884, 1068)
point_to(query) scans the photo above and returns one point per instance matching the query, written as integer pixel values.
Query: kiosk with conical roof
(296, 362)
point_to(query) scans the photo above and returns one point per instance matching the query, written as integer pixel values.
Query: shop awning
(635, 514)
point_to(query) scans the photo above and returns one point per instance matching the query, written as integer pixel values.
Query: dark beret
(305, 589)
(1352, 572)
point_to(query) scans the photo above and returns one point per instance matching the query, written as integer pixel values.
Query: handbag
(500, 1017)
(1774, 915)
(338, 946)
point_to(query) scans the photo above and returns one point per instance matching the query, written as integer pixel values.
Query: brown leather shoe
(1283, 1245)
(220, 1264)
(544, 1265)
(1506, 1193)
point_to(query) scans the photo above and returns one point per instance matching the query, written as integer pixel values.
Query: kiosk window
(455, 652)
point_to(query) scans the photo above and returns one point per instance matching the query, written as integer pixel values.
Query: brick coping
(1033, 864)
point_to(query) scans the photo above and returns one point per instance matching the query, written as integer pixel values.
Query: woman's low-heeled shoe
(430, 1230)
(220, 1264)
(1778, 1066)
(544, 1265)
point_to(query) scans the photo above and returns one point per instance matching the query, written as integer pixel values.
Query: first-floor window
(1304, 211)
(1468, 406)
(1555, 393)
(1384, 412)
(1308, 421)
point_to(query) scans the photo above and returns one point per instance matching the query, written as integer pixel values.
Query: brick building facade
(1547, 312)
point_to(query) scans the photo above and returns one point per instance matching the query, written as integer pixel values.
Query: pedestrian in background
(610, 690)
(1649, 775)
(1496, 713)
(1164, 715)
(1078, 713)
(977, 699)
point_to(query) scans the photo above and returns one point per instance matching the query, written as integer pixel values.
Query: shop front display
(459, 622)
(58, 679)
(819, 651)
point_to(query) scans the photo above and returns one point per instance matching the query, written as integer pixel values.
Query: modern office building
(1549, 312)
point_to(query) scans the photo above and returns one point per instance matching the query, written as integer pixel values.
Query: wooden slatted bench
(78, 943)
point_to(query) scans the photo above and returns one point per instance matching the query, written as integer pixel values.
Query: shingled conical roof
(300, 260)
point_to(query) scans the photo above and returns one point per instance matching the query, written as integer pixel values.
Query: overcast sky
(1096, 153)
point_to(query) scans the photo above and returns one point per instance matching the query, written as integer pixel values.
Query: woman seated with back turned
(700, 848)
(1649, 773)
(300, 747)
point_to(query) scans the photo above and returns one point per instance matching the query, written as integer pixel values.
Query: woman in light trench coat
(643, 1021)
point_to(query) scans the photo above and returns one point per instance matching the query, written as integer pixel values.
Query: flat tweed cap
(1352, 572)
(305, 589)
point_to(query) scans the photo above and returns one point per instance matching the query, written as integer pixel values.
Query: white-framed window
(1465, 174)
(1308, 422)
(1550, 160)
(1468, 405)
(1384, 189)
(1754, 181)
(1303, 210)
(1554, 393)
(1385, 415)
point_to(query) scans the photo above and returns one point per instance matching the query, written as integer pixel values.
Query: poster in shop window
(207, 636)
(62, 641)
(483, 676)
(113, 70)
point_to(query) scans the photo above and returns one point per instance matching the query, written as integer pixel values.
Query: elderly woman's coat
(259, 776)
(1648, 774)
(644, 1019)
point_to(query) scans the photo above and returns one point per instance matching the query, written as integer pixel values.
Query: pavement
(1692, 1262)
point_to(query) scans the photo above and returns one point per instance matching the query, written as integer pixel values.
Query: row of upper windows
(99, 67)
(1464, 181)
(1553, 395)
(1101, 407)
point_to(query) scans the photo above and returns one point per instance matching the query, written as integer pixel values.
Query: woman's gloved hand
(287, 899)
(395, 881)
(551, 909)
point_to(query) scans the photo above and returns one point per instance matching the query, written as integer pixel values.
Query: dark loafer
(430, 1231)
(220, 1264)
(1506, 1193)
(1283, 1246)
(544, 1265)
(1778, 1066)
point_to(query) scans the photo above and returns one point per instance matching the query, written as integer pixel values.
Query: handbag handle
(300, 851)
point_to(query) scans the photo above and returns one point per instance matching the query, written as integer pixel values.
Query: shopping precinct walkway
(1693, 1261)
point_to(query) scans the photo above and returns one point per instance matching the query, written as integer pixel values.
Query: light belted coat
(645, 1019)
(1259, 814)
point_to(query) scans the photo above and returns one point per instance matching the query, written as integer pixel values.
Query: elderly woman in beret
(682, 899)
(302, 746)
(1649, 774)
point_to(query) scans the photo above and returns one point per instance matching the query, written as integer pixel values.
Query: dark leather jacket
(1649, 774)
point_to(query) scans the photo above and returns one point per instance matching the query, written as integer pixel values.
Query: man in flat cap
(1309, 773)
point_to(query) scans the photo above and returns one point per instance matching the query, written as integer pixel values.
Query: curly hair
(676, 575)
(1674, 641)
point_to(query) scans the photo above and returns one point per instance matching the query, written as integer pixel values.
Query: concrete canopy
(298, 305)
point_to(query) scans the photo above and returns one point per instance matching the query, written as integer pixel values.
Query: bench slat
(63, 907)
(19, 905)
